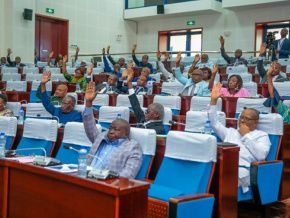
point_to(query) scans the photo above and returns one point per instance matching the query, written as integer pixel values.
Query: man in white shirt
(254, 144)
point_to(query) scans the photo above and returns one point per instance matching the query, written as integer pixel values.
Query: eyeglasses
(196, 74)
(66, 104)
(246, 119)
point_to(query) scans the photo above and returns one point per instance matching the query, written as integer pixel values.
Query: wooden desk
(251, 69)
(17, 96)
(185, 104)
(71, 87)
(100, 78)
(256, 78)
(148, 99)
(157, 87)
(113, 99)
(2, 85)
(263, 89)
(229, 105)
(30, 191)
(225, 179)
(222, 70)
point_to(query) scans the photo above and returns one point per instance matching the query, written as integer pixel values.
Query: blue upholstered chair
(266, 175)
(101, 100)
(14, 106)
(38, 133)
(108, 114)
(199, 103)
(34, 87)
(74, 136)
(8, 125)
(147, 139)
(256, 103)
(182, 182)
(36, 110)
(173, 102)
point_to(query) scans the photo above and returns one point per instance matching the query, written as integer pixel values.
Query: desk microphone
(183, 124)
(39, 160)
(97, 173)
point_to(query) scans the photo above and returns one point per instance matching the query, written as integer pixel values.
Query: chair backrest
(80, 107)
(256, 103)
(9, 70)
(71, 70)
(58, 77)
(199, 103)
(187, 167)
(195, 120)
(173, 102)
(73, 94)
(101, 100)
(19, 86)
(237, 69)
(172, 88)
(288, 69)
(108, 114)
(283, 88)
(36, 110)
(123, 100)
(273, 125)
(76, 137)
(284, 61)
(8, 125)
(35, 85)
(38, 133)
(68, 64)
(252, 87)
(156, 77)
(98, 70)
(34, 70)
(14, 106)
(32, 77)
(41, 64)
(287, 103)
(11, 77)
(147, 140)
(54, 70)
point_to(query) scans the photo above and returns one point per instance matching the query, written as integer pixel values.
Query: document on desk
(66, 168)
(26, 159)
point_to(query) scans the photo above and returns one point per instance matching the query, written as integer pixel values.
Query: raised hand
(124, 74)
(9, 51)
(45, 77)
(196, 58)
(215, 68)
(222, 40)
(244, 129)
(158, 55)
(271, 69)
(178, 57)
(90, 93)
(263, 49)
(215, 93)
(51, 54)
(77, 50)
(130, 64)
(134, 47)
(103, 51)
(108, 49)
(64, 59)
(130, 75)
(90, 69)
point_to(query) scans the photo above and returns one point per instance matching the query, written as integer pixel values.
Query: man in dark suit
(112, 86)
(276, 76)
(152, 119)
(17, 62)
(3, 63)
(282, 46)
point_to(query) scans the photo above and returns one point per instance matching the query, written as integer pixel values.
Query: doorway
(51, 34)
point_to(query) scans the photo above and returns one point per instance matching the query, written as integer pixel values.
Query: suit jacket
(284, 51)
(263, 74)
(124, 89)
(232, 60)
(13, 63)
(203, 86)
(99, 87)
(125, 160)
(156, 125)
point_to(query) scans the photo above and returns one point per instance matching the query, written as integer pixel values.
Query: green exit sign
(190, 22)
(50, 10)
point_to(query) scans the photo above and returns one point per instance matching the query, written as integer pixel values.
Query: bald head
(145, 72)
(61, 91)
(204, 58)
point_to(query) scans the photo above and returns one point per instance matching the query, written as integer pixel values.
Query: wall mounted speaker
(160, 9)
(27, 14)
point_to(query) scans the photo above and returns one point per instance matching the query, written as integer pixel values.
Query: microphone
(39, 160)
(183, 124)
(97, 173)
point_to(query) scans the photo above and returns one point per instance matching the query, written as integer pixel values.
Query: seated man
(144, 72)
(3, 63)
(108, 69)
(117, 152)
(232, 60)
(66, 112)
(144, 62)
(254, 144)
(16, 63)
(77, 64)
(195, 85)
(59, 95)
(36, 58)
(276, 76)
(153, 115)
(112, 88)
(141, 82)
(121, 61)
(200, 64)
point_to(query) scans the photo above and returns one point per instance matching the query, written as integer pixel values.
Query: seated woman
(207, 73)
(235, 86)
(3, 111)
(78, 77)
(274, 99)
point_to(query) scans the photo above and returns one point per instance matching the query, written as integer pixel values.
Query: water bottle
(237, 62)
(2, 145)
(21, 117)
(150, 88)
(82, 166)
(207, 128)
(250, 60)
(78, 87)
(119, 116)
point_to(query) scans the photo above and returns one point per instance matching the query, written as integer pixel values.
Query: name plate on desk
(229, 144)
